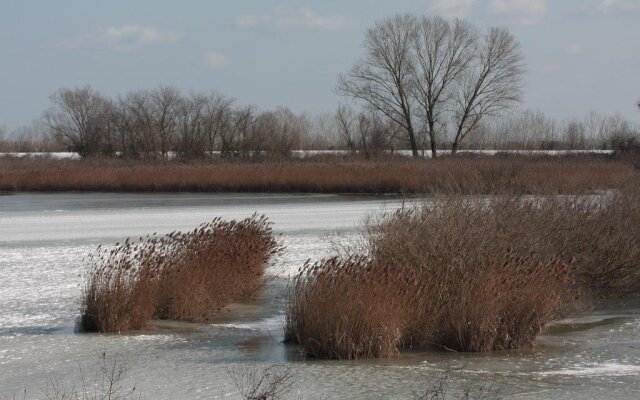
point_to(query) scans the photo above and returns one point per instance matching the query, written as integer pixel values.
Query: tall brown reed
(347, 309)
(184, 276)
(602, 235)
(443, 275)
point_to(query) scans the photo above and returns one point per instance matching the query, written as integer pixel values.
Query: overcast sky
(582, 55)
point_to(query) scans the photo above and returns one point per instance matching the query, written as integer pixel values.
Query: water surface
(44, 237)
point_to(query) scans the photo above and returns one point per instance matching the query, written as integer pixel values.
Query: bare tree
(443, 51)
(323, 133)
(366, 132)
(34, 137)
(164, 103)
(276, 132)
(137, 108)
(383, 78)
(78, 119)
(493, 83)
(232, 139)
(218, 115)
(574, 135)
(3, 143)
(190, 124)
(345, 119)
(125, 127)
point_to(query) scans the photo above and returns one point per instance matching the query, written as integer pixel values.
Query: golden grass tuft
(181, 276)
(468, 274)
(439, 276)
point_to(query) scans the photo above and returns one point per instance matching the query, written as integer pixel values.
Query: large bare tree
(383, 77)
(444, 50)
(492, 84)
(218, 116)
(421, 72)
(78, 119)
(165, 103)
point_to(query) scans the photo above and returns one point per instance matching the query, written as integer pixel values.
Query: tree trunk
(454, 148)
(434, 149)
(413, 142)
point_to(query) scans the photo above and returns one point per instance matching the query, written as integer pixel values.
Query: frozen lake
(44, 237)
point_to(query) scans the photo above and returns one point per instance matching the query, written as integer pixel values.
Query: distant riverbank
(323, 174)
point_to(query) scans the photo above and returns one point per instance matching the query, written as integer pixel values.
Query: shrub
(272, 382)
(186, 276)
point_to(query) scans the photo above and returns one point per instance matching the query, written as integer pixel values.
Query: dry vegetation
(445, 388)
(464, 175)
(182, 276)
(273, 382)
(104, 381)
(467, 274)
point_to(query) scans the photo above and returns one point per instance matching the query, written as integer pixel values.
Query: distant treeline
(156, 123)
(421, 84)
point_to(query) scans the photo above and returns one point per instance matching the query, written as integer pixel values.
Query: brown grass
(601, 234)
(347, 309)
(441, 276)
(479, 290)
(181, 276)
(468, 274)
(471, 175)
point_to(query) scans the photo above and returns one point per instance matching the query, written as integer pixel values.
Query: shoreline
(328, 175)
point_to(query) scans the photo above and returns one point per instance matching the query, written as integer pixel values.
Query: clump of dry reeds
(442, 276)
(347, 309)
(183, 276)
(602, 234)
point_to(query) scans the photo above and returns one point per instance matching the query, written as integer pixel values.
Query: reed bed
(440, 276)
(464, 175)
(467, 274)
(601, 234)
(180, 276)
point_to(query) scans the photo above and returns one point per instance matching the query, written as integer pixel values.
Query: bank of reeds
(460, 175)
(468, 274)
(180, 276)
(601, 233)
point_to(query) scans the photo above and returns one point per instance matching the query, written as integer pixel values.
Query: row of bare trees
(213, 124)
(533, 130)
(163, 121)
(32, 138)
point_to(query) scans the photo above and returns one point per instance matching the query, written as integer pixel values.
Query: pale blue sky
(582, 55)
